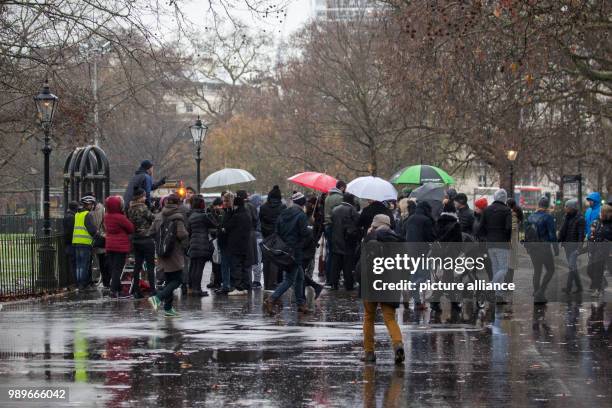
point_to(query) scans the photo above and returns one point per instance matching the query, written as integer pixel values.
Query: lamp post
(198, 134)
(511, 155)
(46, 105)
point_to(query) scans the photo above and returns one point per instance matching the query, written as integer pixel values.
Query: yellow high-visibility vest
(80, 235)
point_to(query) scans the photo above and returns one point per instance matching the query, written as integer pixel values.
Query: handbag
(274, 249)
(99, 240)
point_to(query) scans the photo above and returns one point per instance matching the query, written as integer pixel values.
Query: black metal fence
(30, 265)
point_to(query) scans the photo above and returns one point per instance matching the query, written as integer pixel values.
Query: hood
(256, 200)
(387, 235)
(596, 197)
(114, 204)
(334, 190)
(140, 171)
(423, 207)
(290, 213)
(170, 209)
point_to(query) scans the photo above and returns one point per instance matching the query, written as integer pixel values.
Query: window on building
(188, 107)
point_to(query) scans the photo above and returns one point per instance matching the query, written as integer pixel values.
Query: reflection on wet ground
(226, 351)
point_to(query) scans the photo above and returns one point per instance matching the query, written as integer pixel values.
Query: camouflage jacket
(142, 218)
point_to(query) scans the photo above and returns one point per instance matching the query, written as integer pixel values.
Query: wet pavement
(226, 351)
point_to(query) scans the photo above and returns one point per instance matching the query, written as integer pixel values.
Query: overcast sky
(298, 12)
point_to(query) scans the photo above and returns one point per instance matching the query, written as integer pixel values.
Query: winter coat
(603, 240)
(292, 228)
(333, 199)
(420, 225)
(176, 261)
(143, 180)
(268, 214)
(142, 218)
(571, 234)
(68, 225)
(345, 233)
(198, 226)
(592, 213)
(97, 215)
(368, 213)
(381, 235)
(466, 219)
(447, 228)
(496, 225)
(117, 226)
(237, 230)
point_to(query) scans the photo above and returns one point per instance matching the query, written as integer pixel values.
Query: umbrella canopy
(227, 177)
(317, 181)
(421, 174)
(372, 188)
(429, 192)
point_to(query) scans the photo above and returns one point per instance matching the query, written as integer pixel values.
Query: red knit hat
(481, 203)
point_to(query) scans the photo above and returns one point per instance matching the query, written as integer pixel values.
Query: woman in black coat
(200, 250)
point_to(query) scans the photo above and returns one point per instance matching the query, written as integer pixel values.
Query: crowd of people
(173, 238)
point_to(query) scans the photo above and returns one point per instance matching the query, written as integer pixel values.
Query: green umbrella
(420, 174)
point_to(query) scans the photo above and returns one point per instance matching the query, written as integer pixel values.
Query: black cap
(461, 199)
(146, 164)
(275, 193)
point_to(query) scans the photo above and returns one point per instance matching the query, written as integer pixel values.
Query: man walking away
(540, 235)
(592, 213)
(142, 242)
(345, 238)
(571, 237)
(171, 238)
(381, 231)
(268, 215)
(82, 239)
(292, 228)
(143, 178)
(200, 246)
(333, 199)
(465, 214)
(496, 229)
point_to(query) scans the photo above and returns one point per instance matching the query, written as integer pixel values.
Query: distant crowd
(170, 240)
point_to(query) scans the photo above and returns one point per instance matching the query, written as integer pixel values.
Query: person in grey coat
(345, 238)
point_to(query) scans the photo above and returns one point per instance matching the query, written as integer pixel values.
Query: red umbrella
(317, 181)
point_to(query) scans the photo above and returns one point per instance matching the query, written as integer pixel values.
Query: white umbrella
(372, 188)
(227, 177)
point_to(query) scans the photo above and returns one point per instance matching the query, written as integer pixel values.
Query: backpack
(165, 239)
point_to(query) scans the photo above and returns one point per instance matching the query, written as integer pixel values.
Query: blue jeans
(499, 263)
(328, 258)
(82, 255)
(294, 277)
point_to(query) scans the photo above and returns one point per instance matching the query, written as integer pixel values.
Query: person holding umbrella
(345, 238)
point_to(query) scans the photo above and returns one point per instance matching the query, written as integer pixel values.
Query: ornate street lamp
(198, 135)
(46, 105)
(511, 155)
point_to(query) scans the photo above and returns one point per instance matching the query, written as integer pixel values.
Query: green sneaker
(155, 302)
(171, 313)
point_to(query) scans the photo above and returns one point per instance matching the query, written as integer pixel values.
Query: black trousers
(344, 263)
(104, 271)
(115, 262)
(215, 276)
(542, 258)
(196, 270)
(144, 253)
(270, 275)
(240, 273)
(172, 282)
